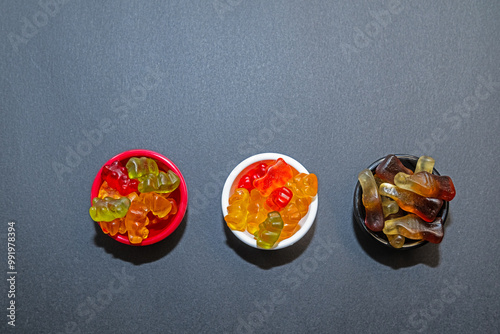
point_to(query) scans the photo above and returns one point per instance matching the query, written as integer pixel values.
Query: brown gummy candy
(389, 167)
(424, 207)
(427, 185)
(374, 217)
(411, 226)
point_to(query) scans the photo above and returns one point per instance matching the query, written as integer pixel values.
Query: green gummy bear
(108, 209)
(269, 231)
(161, 183)
(139, 167)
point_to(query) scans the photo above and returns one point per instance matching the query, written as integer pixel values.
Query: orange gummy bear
(158, 204)
(292, 214)
(303, 185)
(113, 227)
(106, 191)
(136, 221)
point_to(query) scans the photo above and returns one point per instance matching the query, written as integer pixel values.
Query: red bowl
(180, 195)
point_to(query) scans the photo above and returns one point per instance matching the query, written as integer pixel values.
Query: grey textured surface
(199, 81)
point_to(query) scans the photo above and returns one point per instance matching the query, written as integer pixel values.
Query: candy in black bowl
(410, 162)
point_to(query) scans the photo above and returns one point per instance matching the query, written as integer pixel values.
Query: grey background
(199, 81)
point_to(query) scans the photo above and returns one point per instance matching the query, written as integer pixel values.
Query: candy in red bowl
(139, 197)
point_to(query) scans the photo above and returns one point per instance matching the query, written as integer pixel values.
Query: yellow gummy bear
(303, 185)
(257, 212)
(236, 217)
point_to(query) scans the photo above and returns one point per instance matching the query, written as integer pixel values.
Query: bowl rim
(443, 213)
(182, 205)
(305, 223)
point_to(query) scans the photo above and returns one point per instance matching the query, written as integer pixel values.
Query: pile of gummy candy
(419, 194)
(134, 196)
(269, 202)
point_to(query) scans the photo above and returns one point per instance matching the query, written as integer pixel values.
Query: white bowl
(305, 223)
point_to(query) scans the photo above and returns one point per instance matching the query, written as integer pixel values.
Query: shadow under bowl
(410, 162)
(180, 195)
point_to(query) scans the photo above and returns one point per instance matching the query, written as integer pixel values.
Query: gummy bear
(424, 207)
(138, 167)
(427, 185)
(236, 217)
(174, 205)
(389, 167)
(291, 216)
(113, 227)
(276, 176)
(303, 185)
(374, 218)
(132, 196)
(108, 209)
(106, 191)
(136, 221)
(172, 212)
(257, 212)
(269, 231)
(158, 204)
(411, 226)
(246, 180)
(278, 199)
(117, 177)
(161, 183)
(303, 205)
(424, 164)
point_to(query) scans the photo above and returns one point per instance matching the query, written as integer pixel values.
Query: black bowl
(409, 161)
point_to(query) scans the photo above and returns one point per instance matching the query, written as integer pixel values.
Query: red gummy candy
(279, 198)
(276, 176)
(117, 178)
(246, 180)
